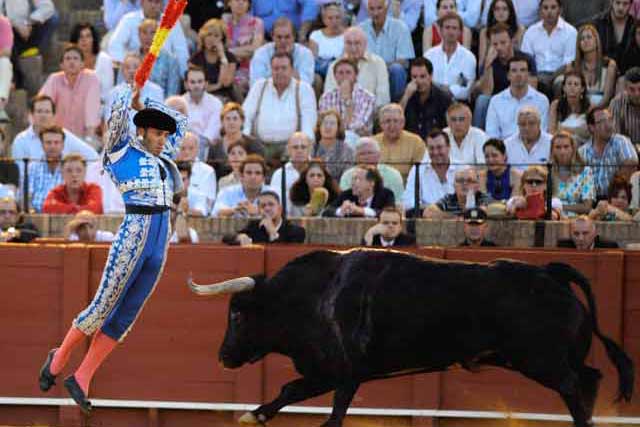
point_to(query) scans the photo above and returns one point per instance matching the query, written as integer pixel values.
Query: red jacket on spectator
(58, 202)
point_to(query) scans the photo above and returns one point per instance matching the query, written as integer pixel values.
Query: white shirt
(502, 114)
(27, 145)
(204, 117)
(101, 236)
(520, 158)
(230, 196)
(550, 51)
(292, 175)
(278, 115)
(409, 12)
(469, 11)
(453, 71)
(470, 152)
(203, 183)
(105, 73)
(328, 47)
(112, 202)
(125, 39)
(431, 188)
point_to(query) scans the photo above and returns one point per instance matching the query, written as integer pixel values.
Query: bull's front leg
(295, 391)
(341, 401)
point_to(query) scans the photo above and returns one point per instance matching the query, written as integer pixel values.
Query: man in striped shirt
(46, 173)
(625, 107)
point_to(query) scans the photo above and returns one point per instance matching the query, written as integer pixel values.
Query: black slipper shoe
(47, 379)
(77, 394)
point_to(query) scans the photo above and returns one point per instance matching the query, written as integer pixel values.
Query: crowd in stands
(389, 109)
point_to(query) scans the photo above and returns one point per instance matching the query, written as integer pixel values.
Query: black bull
(349, 317)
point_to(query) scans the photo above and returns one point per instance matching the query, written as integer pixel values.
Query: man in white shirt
(466, 141)
(436, 175)
(552, 43)
(202, 179)
(454, 66)
(503, 107)
(299, 153)
(283, 35)
(372, 71)
(202, 107)
(277, 107)
(125, 36)
(531, 145)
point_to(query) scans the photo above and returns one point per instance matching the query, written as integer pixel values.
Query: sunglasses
(534, 182)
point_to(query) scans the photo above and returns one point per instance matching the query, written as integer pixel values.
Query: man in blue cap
(141, 164)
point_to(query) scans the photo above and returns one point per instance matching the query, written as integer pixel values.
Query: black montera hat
(152, 118)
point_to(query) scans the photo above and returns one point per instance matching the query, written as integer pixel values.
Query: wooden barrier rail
(170, 356)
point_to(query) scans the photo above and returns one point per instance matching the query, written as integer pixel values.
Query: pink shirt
(77, 106)
(6, 33)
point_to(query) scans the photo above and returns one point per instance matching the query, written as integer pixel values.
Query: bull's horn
(241, 284)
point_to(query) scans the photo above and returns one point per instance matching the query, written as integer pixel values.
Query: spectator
(9, 172)
(454, 66)
(431, 35)
(372, 71)
(530, 145)
(298, 152)
(202, 178)
(599, 71)
(330, 145)
(76, 92)
(125, 37)
(46, 173)
(526, 12)
(241, 200)
(232, 118)
(271, 227)
(312, 191)
(27, 144)
(327, 43)
(569, 112)
(184, 208)
(552, 42)
(582, 11)
(84, 228)
(355, 104)
(625, 107)
(532, 202)
(236, 153)
(166, 70)
(368, 153)
(390, 39)
(616, 207)
(584, 236)
(503, 13)
(631, 55)
(13, 227)
(466, 195)
(400, 148)
(86, 37)
(114, 10)
(301, 14)
(572, 179)
(203, 108)
(607, 152)
(245, 34)
(33, 24)
(388, 231)
(424, 103)
(495, 77)
(283, 43)
(466, 141)
(217, 62)
(366, 197)
(6, 67)
(475, 229)
(279, 106)
(408, 11)
(436, 175)
(615, 27)
(74, 194)
(469, 10)
(504, 106)
(499, 180)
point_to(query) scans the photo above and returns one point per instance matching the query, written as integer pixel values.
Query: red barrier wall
(171, 353)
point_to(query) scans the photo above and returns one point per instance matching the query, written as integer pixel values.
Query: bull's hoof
(248, 419)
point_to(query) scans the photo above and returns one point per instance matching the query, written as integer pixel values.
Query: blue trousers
(397, 81)
(133, 269)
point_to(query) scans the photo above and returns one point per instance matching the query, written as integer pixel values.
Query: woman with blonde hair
(572, 180)
(218, 63)
(532, 202)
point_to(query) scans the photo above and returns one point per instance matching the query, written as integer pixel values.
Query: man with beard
(615, 27)
(625, 107)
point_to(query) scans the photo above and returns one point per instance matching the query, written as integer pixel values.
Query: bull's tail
(620, 359)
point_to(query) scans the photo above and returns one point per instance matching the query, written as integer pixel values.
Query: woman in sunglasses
(572, 179)
(532, 202)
